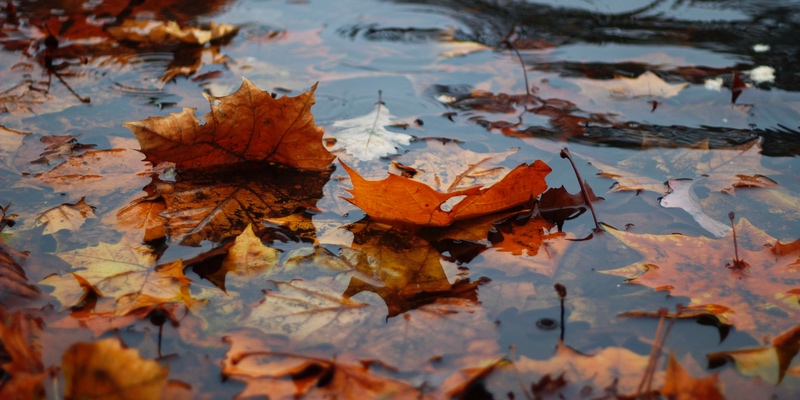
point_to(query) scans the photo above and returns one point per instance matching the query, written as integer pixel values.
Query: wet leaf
(10, 141)
(763, 298)
(404, 269)
(282, 375)
(248, 125)
(249, 258)
(21, 356)
(366, 137)
(769, 363)
(14, 287)
(125, 272)
(647, 84)
(404, 200)
(679, 385)
(613, 368)
(106, 370)
(66, 216)
(720, 169)
(166, 31)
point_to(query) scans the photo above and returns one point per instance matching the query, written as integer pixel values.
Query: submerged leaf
(762, 299)
(106, 370)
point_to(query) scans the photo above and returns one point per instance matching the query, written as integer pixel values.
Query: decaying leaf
(721, 169)
(281, 375)
(106, 370)
(613, 369)
(683, 197)
(166, 31)
(96, 174)
(366, 137)
(42, 153)
(248, 125)
(647, 84)
(143, 216)
(404, 200)
(770, 363)
(763, 299)
(66, 216)
(679, 385)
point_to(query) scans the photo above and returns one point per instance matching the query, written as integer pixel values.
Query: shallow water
(571, 52)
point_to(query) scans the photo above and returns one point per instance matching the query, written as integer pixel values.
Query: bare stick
(584, 192)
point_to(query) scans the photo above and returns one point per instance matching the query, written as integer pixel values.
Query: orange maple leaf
(248, 125)
(398, 199)
(762, 299)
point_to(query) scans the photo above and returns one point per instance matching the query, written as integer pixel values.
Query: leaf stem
(565, 154)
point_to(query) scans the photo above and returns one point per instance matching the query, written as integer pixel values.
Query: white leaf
(366, 137)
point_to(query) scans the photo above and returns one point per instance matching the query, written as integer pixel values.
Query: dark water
(570, 50)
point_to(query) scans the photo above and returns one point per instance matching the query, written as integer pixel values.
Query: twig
(565, 154)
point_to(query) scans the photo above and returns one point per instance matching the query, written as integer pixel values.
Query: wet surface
(448, 69)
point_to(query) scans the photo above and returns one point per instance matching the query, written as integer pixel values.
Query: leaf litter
(389, 306)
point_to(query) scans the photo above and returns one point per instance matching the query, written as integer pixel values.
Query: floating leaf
(248, 125)
(366, 137)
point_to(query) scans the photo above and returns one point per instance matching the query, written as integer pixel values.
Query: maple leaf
(266, 372)
(404, 200)
(97, 174)
(762, 299)
(165, 31)
(143, 215)
(106, 370)
(446, 167)
(248, 125)
(124, 272)
(683, 197)
(769, 363)
(213, 204)
(721, 169)
(679, 385)
(513, 243)
(366, 137)
(647, 84)
(611, 368)
(66, 216)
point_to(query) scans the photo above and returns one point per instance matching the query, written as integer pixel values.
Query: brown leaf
(37, 156)
(14, 287)
(66, 216)
(220, 203)
(159, 32)
(248, 125)
(404, 200)
(762, 299)
(584, 373)
(722, 169)
(21, 356)
(647, 84)
(281, 375)
(403, 269)
(106, 370)
(769, 363)
(249, 259)
(679, 385)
